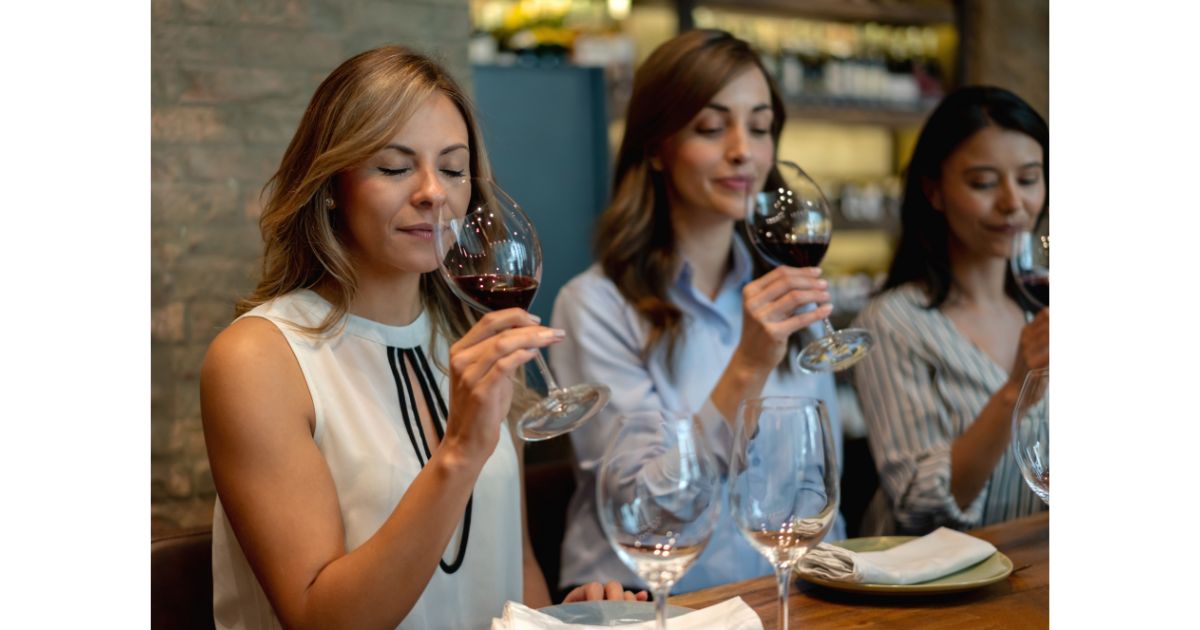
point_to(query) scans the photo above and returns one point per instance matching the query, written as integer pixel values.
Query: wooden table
(1021, 601)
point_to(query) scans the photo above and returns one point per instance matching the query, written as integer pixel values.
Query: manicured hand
(769, 316)
(482, 364)
(595, 591)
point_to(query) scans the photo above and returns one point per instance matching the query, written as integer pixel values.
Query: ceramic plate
(991, 570)
(608, 613)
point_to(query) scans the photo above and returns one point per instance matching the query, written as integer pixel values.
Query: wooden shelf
(857, 114)
(884, 11)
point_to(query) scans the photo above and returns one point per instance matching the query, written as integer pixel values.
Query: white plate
(608, 613)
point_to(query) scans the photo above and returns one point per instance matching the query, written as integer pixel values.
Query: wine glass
(783, 481)
(658, 493)
(491, 258)
(1030, 261)
(790, 223)
(1031, 432)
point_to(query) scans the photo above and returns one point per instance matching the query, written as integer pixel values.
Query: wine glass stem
(547, 377)
(829, 332)
(660, 606)
(784, 575)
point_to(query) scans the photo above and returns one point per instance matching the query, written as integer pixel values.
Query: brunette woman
(679, 313)
(954, 342)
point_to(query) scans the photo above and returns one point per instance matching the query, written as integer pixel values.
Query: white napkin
(929, 557)
(731, 614)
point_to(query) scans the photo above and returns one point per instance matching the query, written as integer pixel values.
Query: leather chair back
(181, 596)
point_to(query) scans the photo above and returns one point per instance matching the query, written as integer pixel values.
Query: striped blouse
(921, 387)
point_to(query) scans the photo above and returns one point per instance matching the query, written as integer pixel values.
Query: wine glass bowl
(790, 223)
(492, 259)
(1030, 261)
(658, 494)
(783, 481)
(1031, 432)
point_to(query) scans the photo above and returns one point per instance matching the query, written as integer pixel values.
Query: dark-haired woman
(954, 342)
(679, 313)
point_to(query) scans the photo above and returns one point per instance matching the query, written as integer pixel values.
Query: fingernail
(535, 318)
(822, 283)
(553, 333)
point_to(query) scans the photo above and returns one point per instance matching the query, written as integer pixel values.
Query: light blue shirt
(605, 337)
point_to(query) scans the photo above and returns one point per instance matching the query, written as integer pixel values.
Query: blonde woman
(679, 313)
(355, 411)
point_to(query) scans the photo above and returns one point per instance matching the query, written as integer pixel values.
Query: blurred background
(550, 79)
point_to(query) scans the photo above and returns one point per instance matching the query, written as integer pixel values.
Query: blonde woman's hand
(769, 313)
(482, 364)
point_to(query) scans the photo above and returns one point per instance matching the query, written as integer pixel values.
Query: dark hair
(922, 254)
(634, 240)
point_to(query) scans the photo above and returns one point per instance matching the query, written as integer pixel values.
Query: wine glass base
(563, 410)
(836, 352)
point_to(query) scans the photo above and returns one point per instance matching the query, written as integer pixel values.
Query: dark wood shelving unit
(858, 114)
(901, 12)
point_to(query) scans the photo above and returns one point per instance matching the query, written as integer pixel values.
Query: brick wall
(229, 82)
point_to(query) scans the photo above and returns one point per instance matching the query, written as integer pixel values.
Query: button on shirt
(605, 337)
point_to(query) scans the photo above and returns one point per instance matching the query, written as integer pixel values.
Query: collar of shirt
(727, 305)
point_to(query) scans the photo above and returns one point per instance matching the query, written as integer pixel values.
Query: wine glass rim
(441, 252)
(774, 402)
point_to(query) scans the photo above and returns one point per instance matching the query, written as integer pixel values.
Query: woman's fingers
(780, 282)
(590, 592)
(474, 362)
(802, 320)
(613, 590)
(493, 323)
(786, 305)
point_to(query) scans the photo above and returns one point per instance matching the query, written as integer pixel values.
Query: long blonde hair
(635, 243)
(354, 113)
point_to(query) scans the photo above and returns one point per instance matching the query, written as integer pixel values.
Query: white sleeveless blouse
(364, 395)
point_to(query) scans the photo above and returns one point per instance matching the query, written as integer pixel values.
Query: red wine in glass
(1037, 285)
(1030, 261)
(491, 257)
(783, 250)
(497, 291)
(790, 223)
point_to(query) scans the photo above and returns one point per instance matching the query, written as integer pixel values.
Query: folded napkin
(929, 557)
(731, 614)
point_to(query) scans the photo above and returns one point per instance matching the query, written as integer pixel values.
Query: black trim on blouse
(436, 404)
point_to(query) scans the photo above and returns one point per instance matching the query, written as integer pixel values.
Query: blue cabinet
(546, 132)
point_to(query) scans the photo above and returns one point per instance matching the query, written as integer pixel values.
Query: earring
(656, 164)
(329, 203)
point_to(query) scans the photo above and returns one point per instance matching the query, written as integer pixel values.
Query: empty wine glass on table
(1031, 432)
(492, 259)
(1030, 261)
(658, 493)
(791, 222)
(783, 481)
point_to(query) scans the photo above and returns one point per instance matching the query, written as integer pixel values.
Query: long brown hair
(354, 113)
(923, 253)
(634, 240)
